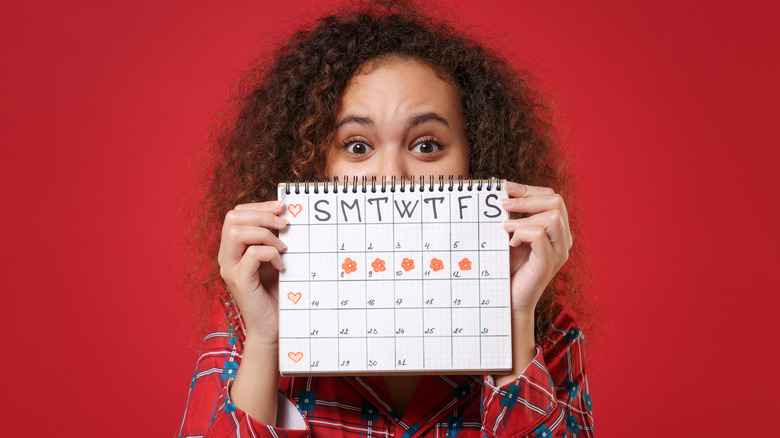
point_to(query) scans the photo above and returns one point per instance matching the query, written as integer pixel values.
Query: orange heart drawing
(294, 209)
(295, 356)
(294, 297)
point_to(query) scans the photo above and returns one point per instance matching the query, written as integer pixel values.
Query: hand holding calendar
(249, 263)
(249, 254)
(540, 242)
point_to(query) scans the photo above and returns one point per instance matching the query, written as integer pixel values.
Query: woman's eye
(358, 148)
(426, 147)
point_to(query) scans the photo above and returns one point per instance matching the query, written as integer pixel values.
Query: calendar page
(394, 277)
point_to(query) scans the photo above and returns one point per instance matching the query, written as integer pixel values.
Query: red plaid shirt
(550, 398)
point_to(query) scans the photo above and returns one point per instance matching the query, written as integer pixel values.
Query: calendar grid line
(393, 337)
(378, 280)
(452, 340)
(338, 295)
(393, 280)
(397, 307)
(393, 223)
(377, 252)
(479, 287)
(395, 319)
(308, 244)
(422, 287)
(365, 262)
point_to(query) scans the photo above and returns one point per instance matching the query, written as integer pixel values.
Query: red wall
(671, 111)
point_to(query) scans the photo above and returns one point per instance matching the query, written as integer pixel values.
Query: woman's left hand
(540, 243)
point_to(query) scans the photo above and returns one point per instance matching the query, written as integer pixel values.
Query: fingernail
(282, 246)
(507, 202)
(510, 225)
(280, 220)
(277, 205)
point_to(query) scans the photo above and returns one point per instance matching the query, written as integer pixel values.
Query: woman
(386, 91)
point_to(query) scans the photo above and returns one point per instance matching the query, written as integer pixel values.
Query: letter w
(406, 212)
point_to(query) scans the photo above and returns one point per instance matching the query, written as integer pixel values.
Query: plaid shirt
(550, 398)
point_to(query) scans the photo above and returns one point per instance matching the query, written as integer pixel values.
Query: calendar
(394, 277)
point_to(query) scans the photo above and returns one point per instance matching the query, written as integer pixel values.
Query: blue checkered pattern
(511, 396)
(306, 401)
(229, 370)
(368, 412)
(588, 403)
(572, 387)
(411, 431)
(462, 391)
(454, 425)
(543, 431)
(571, 424)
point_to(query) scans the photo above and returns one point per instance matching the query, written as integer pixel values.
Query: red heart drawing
(294, 297)
(295, 356)
(294, 209)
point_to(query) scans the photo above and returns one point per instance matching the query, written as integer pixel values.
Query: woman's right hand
(249, 264)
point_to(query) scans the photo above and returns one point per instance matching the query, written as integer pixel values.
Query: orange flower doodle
(407, 264)
(349, 265)
(465, 264)
(378, 265)
(436, 264)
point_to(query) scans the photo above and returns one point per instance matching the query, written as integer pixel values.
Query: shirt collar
(434, 397)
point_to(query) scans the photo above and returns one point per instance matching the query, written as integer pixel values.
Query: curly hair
(283, 117)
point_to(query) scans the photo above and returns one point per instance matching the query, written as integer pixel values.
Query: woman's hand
(249, 263)
(540, 243)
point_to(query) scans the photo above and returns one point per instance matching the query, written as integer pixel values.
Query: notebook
(394, 276)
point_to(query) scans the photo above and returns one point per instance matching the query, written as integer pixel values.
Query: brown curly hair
(281, 121)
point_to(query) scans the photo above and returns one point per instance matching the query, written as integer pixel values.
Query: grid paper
(394, 281)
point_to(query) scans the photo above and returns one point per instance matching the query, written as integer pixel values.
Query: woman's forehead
(399, 85)
(399, 59)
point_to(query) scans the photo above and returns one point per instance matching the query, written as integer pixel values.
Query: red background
(671, 112)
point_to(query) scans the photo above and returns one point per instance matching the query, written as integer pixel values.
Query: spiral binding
(365, 185)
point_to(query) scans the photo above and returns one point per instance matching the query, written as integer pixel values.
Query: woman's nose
(391, 164)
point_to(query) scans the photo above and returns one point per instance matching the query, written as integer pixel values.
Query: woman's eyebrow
(413, 121)
(422, 118)
(355, 119)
